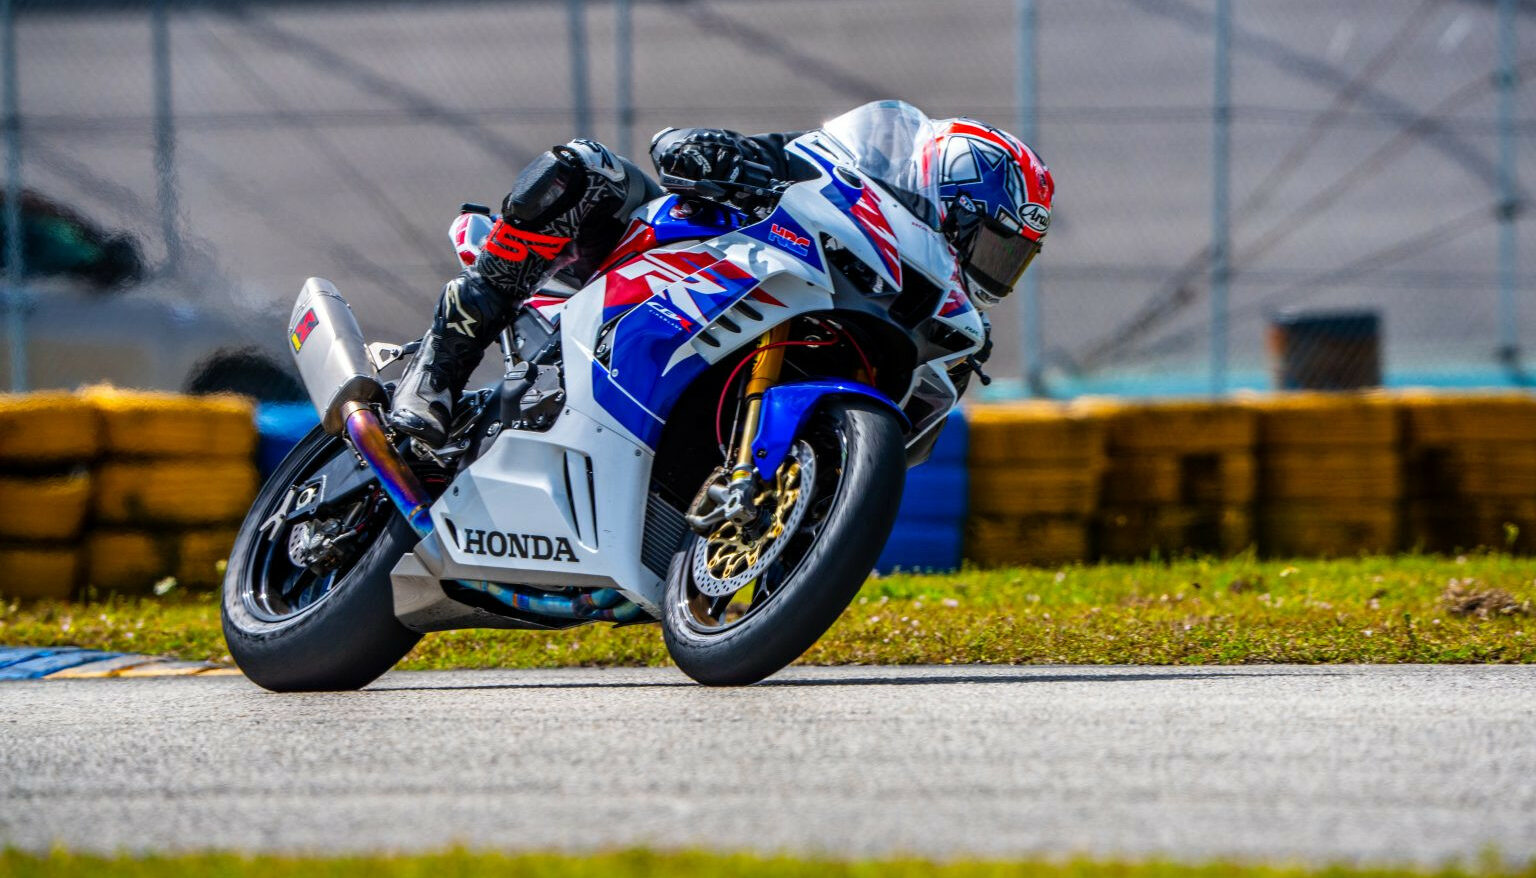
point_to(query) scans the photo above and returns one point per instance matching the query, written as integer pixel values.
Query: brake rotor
(731, 557)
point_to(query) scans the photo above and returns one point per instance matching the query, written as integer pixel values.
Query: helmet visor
(999, 257)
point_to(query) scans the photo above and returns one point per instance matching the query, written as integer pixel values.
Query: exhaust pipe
(333, 363)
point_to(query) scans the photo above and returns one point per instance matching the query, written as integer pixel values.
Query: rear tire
(861, 466)
(348, 636)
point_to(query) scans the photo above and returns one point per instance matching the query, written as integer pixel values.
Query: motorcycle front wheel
(741, 603)
(323, 621)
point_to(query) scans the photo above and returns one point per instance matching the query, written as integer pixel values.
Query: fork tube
(765, 372)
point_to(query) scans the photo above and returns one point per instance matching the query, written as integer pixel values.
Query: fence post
(624, 71)
(1028, 93)
(165, 135)
(576, 26)
(1509, 198)
(15, 298)
(1220, 230)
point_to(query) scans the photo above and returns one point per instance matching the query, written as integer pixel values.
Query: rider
(570, 206)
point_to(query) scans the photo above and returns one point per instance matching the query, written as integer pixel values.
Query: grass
(643, 864)
(1412, 608)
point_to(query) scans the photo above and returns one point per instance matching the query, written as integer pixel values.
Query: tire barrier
(931, 519)
(1470, 472)
(1035, 474)
(117, 491)
(1306, 474)
(140, 424)
(1330, 474)
(114, 491)
(1180, 477)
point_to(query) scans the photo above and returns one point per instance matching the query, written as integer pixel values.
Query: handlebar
(748, 179)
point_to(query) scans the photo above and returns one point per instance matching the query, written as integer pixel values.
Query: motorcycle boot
(468, 317)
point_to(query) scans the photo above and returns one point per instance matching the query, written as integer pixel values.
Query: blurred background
(1250, 194)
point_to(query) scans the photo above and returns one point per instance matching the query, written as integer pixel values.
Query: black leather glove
(697, 153)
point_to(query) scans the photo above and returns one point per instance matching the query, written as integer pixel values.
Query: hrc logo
(789, 240)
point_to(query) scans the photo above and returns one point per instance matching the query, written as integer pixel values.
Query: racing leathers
(566, 211)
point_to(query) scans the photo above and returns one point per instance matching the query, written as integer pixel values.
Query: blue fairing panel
(703, 220)
(785, 408)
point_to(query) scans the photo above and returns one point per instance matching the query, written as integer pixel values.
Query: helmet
(996, 194)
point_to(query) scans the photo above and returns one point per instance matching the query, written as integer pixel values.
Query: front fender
(785, 408)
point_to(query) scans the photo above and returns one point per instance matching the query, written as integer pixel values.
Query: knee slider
(548, 187)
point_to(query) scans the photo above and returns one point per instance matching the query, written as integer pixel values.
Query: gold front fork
(765, 373)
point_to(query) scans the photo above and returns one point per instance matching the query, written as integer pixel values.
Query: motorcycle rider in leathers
(570, 206)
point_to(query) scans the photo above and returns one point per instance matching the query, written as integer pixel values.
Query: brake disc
(731, 556)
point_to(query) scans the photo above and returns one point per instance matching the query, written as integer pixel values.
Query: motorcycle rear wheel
(860, 469)
(292, 630)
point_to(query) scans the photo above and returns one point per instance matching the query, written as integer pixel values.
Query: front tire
(291, 630)
(859, 472)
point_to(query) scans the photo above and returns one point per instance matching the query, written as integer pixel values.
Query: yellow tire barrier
(1136, 532)
(128, 561)
(38, 572)
(1035, 433)
(148, 424)
(202, 555)
(1323, 529)
(174, 493)
(1348, 472)
(1309, 419)
(1503, 525)
(1197, 479)
(47, 429)
(1444, 420)
(44, 508)
(133, 561)
(997, 541)
(1179, 428)
(1025, 490)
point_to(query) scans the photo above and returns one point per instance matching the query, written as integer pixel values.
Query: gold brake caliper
(729, 550)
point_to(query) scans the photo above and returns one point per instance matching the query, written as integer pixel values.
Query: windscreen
(892, 142)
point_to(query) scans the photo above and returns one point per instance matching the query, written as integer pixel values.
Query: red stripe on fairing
(637, 239)
(685, 261)
(759, 296)
(867, 211)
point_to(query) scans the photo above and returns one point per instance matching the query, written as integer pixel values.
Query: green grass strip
(1412, 608)
(643, 864)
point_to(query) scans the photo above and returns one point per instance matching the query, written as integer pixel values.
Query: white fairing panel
(562, 508)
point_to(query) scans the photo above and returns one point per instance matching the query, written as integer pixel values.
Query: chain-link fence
(187, 163)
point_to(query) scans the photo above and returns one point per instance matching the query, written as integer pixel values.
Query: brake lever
(717, 190)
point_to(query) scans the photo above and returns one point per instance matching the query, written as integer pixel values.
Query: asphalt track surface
(1374, 764)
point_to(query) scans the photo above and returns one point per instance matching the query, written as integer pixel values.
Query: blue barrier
(279, 427)
(931, 520)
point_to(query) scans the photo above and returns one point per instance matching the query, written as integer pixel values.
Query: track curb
(74, 663)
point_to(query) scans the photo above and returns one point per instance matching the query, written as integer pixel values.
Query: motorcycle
(712, 433)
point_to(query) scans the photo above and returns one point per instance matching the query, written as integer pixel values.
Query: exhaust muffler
(333, 363)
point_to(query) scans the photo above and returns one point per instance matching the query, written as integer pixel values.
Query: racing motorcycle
(713, 433)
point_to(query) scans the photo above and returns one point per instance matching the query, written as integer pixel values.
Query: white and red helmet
(997, 195)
